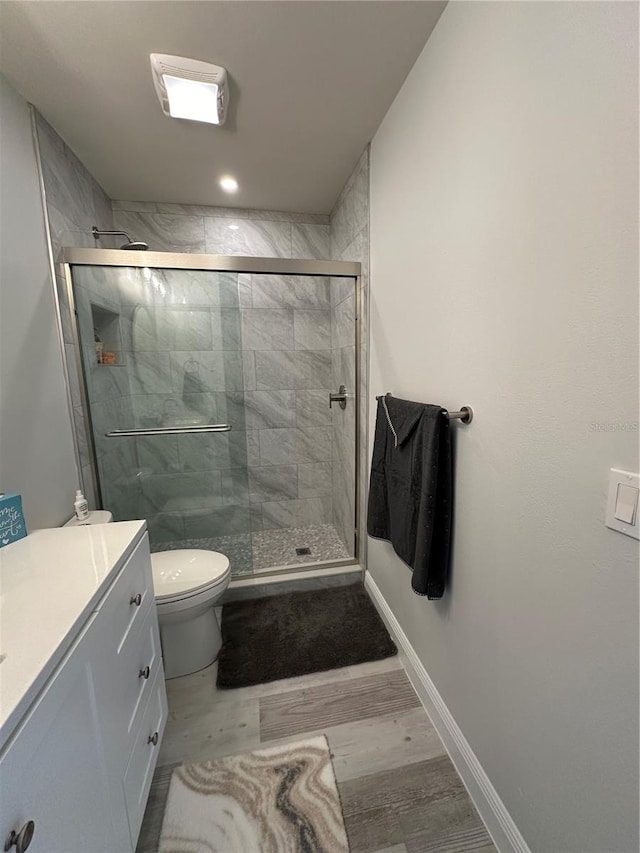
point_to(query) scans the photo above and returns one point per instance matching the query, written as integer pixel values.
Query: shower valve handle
(340, 397)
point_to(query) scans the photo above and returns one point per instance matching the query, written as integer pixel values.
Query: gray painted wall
(505, 276)
(37, 457)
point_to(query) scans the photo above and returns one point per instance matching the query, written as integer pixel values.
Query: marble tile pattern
(309, 240)
(219, 212)
(270, 409)
(192, 348)
(303, 370)
(286, 346)
(349, 240)
(286, 339)
(274, 483)
(224, 231)
(75, 203)
(180, 364)
(398, 787)
(164, 232)
(264, 238)
(109, 392)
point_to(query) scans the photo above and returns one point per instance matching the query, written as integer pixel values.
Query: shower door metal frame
(221, 263)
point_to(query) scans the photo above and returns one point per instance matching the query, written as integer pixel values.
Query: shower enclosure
(213, 400)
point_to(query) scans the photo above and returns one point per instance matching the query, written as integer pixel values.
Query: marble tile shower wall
(286, 348)
(291, 431)
(349, 241)
(75, 202)
(286, 334)
(224, 231)
(109, 394)
(179, 363)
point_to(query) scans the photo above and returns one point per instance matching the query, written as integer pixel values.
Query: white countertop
(50, 582)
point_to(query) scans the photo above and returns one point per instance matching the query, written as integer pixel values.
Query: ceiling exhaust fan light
(190, 89)
(192, 100)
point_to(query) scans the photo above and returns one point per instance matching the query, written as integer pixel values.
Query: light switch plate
(631, 481)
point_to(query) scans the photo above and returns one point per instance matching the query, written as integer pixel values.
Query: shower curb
(260, 587)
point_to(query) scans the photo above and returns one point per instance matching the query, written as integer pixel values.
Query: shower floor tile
(278, 547)
(256, 552)
(236, 548)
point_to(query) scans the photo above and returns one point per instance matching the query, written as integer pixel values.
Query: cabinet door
(137, 779)
(53, 770)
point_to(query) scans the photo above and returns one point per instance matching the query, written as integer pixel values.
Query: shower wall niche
(258, 353)
(107, 335)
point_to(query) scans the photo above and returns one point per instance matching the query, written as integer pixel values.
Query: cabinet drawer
(137, 779)
(135, 684)
(129, 598)
(123, 691)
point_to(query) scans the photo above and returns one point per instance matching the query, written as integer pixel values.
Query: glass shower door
(299, 348)
(162, 359)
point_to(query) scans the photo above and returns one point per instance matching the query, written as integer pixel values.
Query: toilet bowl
(187, 584)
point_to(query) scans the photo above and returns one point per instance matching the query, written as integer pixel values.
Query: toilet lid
(186, 571)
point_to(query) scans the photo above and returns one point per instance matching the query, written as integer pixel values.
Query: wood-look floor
(399, 790)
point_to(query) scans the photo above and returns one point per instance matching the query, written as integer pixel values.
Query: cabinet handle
(144, 673)
(136, 599)
(153, 739)
(20, 840)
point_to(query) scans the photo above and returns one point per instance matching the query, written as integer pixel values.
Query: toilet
(187, 583)
(96, 516)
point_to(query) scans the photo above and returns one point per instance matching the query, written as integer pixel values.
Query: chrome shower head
(136, 245)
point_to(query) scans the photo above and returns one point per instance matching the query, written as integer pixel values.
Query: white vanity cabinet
(75, 771)
(53, 772)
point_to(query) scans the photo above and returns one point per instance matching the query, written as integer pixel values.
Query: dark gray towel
(410, 496)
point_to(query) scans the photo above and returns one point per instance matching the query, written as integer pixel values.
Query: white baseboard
(499, 823)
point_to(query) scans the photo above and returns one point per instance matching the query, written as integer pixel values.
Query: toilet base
(189, 645)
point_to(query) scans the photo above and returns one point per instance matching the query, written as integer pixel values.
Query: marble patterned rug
(281, 799)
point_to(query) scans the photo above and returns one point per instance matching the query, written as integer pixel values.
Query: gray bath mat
(283, 636)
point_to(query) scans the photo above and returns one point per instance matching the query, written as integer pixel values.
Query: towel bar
(183, 430)
(465, 415)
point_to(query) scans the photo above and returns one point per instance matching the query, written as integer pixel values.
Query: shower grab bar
(465, 415)
(115, 433)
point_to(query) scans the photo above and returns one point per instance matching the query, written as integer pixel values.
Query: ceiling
(309, 84)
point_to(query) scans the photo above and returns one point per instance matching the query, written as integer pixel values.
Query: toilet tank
(96, 516)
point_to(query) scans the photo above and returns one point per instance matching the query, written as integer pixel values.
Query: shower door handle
(191, 430)
(340, 398)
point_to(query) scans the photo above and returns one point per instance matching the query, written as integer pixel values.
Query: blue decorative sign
(12, 526)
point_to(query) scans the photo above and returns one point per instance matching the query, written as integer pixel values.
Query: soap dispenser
(81, 506)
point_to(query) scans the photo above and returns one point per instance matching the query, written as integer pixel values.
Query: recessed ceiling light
(229, 184)
(233, 227)
(190, 89)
